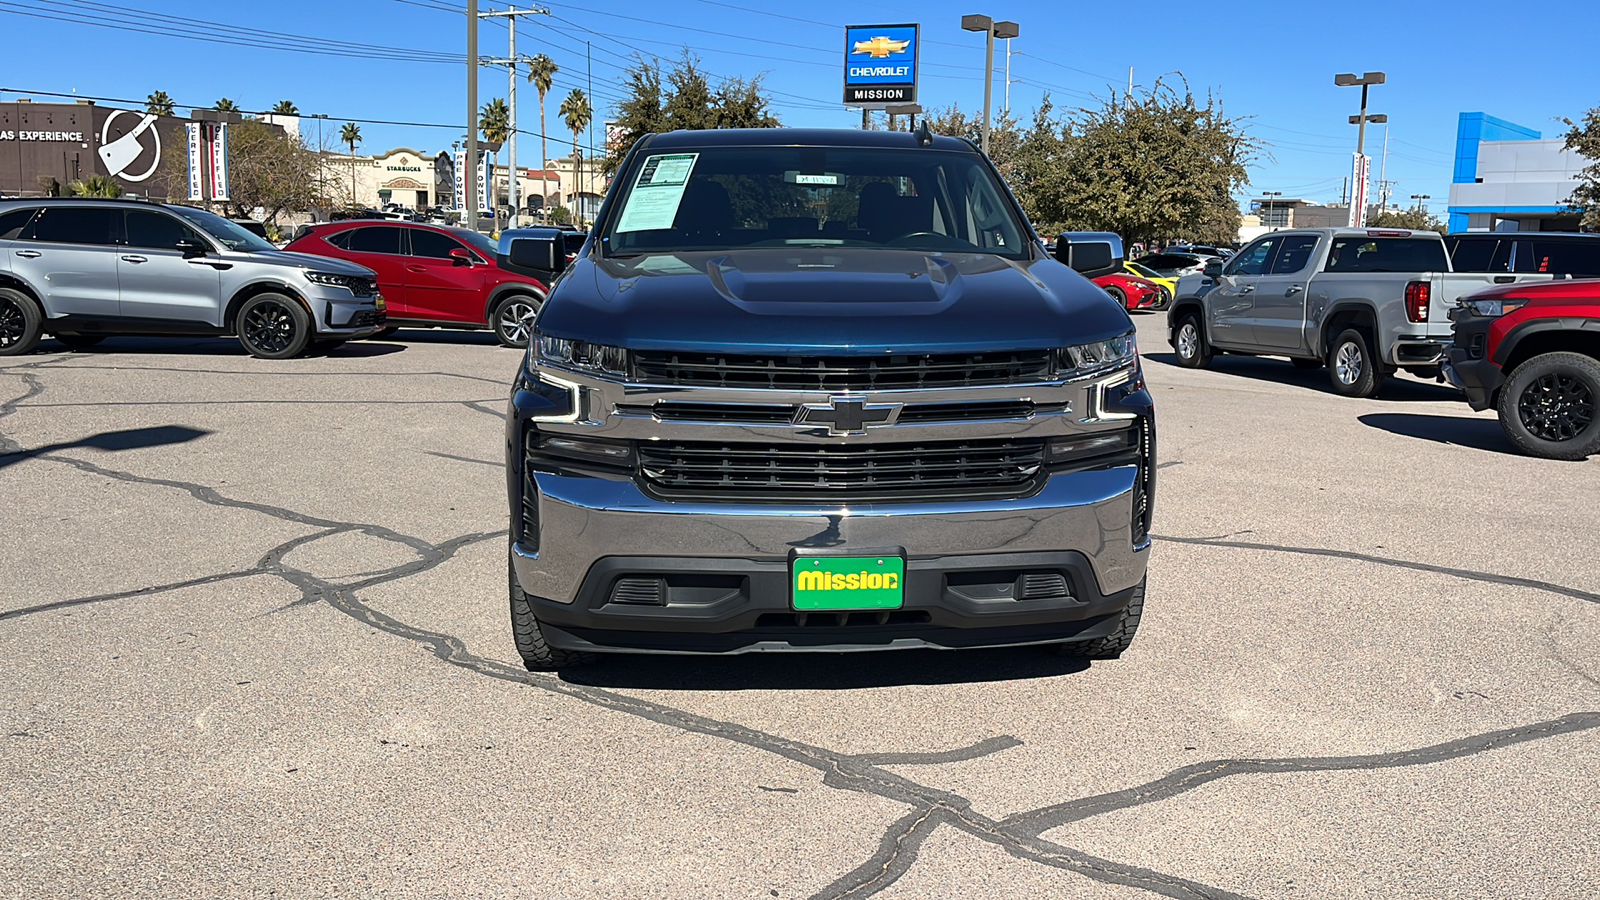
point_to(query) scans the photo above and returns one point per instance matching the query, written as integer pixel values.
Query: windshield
(232, 236)
(746, 197)
(477, 241)
(1143, 272)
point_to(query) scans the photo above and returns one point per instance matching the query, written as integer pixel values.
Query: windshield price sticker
(653, 202)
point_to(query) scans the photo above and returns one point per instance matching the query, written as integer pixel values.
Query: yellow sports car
(1169, 286)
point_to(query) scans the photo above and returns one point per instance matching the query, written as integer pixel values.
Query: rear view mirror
(1213, 268)
(1090, 253)
(540, 252)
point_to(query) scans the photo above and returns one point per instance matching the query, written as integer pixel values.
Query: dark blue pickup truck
(823, 390)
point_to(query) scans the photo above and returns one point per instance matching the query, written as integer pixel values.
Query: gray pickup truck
(1364, 302)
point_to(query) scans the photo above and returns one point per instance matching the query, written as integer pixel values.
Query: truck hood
(836, 299)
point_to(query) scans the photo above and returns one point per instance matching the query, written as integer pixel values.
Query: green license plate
(848, 582)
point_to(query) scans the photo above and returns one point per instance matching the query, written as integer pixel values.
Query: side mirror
(461, 256)
(1090, 253)
(538, 252)
(190, 248)
(1213, 268)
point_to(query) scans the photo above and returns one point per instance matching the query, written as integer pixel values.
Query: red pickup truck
(1532, 351)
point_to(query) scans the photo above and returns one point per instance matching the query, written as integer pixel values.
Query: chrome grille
(842, 373)
(922, 470)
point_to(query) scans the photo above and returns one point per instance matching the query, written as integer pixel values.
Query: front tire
(1117, 642)
(273, 326)
(1352, 366)
(1189, 343)
(513, 319)
(1117, 295)
(1550, 407)
(20, 323)
(536, 652)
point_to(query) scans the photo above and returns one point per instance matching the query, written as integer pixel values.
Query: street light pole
(510, 62)
(991, 30)
(1358, 196)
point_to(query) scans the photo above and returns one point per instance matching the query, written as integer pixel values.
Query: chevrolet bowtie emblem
(880, 47)
(847, 415)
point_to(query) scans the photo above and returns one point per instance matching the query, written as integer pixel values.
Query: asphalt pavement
(254, 617)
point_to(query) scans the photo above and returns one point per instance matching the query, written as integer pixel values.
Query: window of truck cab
(729, 198)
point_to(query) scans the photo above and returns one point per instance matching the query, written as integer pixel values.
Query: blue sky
(1272, 62)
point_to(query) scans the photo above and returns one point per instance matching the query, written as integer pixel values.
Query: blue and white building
(1509, 177)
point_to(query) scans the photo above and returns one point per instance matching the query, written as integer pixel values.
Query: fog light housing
(1078, 447)
(594, 450)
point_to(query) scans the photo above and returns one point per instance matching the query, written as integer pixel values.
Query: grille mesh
(795, 471)
(841, 373)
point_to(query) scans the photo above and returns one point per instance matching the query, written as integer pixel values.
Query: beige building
(402, 176)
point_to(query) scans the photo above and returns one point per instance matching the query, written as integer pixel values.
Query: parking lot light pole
(1267, 195)
(1421, 201)
(991, 30)
(470, 186)
(1367, 80)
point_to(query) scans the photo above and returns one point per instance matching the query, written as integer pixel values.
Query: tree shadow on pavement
(822, 671)
(1401, 388)
(111, 441)
(1478, 434)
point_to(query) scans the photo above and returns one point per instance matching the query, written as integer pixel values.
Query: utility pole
(1130, 81)
(1383, 168)
(510, 62)
(1008, 76)
(471, 173)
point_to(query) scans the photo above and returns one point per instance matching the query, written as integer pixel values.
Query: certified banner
(1359, 172)
(196, 188)
(219, 161)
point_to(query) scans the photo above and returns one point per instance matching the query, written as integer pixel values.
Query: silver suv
(81, 270)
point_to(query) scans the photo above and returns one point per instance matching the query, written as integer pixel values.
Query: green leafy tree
(95, 186)
(225, 105)
(541, 74)
(270, 173)
(1584, 139)
(1154, 167)
(158, 104)
(576, 115)
(684, 98)
(285, 108)
(350, 136)
(494, 120)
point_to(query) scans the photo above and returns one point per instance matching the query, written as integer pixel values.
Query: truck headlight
(580, 355)
(1099, 356)
(1494, 308)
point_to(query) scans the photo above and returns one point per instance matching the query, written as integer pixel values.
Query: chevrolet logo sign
(880, 47)
(848, 415)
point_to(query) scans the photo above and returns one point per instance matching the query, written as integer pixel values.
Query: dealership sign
(880, 65)
(1359, 172)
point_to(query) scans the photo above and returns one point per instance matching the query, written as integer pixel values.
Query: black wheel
(1549, 406)
(1112, 645)
(1117, 295)
(1301, 363)
(1352, 367)
(78, 341)
(512, 319)
(1164, 300)
(1189, 342)
(272, 326)
(536, 654)
(19, 323)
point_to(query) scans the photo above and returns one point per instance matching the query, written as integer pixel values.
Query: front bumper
(1468, 366)
(348, 316)
(722, 568)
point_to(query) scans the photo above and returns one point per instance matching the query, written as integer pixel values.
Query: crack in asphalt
(1020, 834)
(1467, 574)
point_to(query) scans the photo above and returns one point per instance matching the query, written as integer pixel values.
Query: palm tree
(494, 120)
(285, 108)
(541, 73)
(575, 112)
(350, 135)
(225, 105)
(95, 186)
(158, 104)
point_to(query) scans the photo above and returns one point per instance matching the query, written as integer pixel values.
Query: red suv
(432, 276)
(1532, 351)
